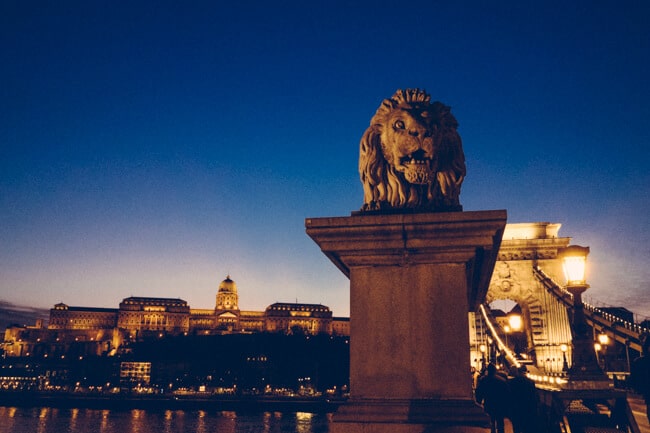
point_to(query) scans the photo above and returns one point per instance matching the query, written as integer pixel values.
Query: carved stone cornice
(531, 249)
(408, 239)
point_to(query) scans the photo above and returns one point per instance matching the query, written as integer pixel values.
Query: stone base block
(410, 416)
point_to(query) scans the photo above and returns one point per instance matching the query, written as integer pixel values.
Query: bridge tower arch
(546, 321)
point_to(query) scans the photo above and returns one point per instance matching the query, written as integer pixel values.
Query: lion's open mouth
(417, 168)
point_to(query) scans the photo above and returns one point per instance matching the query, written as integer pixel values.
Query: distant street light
(584, 365)
(514, 325)
(515, 322)
(483, 349)
(603, 339)
(565, 364)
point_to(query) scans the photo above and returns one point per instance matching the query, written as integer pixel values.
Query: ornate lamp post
(584, 365)
(565, 364)
(514, 325)
(603, 339)
(598, 348)
(483, 349)
(515, 322)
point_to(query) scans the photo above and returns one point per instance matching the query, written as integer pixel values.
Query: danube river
(52, 420)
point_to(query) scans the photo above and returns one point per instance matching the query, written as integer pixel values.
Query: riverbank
(169, 402)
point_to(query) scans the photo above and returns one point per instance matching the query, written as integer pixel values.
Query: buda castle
(105, 330)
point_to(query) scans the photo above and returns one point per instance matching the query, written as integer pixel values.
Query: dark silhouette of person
(640, 373)
(523, 401)
(493, 393)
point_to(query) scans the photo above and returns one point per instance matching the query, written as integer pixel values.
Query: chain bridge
(528, 272)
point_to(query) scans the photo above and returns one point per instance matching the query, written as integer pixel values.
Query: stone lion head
(411, 155)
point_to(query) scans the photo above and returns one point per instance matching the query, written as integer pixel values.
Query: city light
(565, 365)
(584, 362)
(574, 259)
(515, 322)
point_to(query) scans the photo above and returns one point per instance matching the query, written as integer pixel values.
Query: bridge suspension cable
(489, 321)
(622, 330)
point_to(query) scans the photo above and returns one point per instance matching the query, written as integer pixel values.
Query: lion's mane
(386, 182)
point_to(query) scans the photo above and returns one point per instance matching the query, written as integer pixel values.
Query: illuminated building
(103, 331)
(309, 318)
(226, 310)
(135, 373)
(170, 316)
(63, 316)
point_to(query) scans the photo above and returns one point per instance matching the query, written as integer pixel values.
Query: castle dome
(228, 286)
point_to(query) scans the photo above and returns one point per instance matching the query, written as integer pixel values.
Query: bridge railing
(622, 330)
(541, 379)
(511, 358)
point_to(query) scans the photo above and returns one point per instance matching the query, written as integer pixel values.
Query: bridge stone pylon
(524, 246)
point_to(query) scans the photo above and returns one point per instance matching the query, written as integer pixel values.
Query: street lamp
(515, 322)
(603, 340)
(565, 364)
(483, 349)
(584, 365)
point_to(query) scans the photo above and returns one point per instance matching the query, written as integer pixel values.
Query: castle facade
(104, 331)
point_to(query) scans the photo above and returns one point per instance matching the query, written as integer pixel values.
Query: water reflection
(271, 422)
(138, 421)
(226, 422)
(266, 422)
(167, 421)
(303, 422)
(105, 424)
(8, 418)
(42, 420)
(200, 427)
(49, 420)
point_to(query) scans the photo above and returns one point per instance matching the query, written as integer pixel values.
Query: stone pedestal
(413, 279)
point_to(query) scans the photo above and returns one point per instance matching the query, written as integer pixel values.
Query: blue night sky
(150, 148)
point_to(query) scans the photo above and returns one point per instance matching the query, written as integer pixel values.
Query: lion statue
(411, 156)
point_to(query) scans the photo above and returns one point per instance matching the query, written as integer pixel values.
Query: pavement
(639, 411)
(637, 405)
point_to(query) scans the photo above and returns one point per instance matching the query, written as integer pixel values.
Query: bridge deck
(639, 411)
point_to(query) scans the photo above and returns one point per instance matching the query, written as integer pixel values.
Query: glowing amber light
(603, 339)
(515, 322)
(574, 259)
